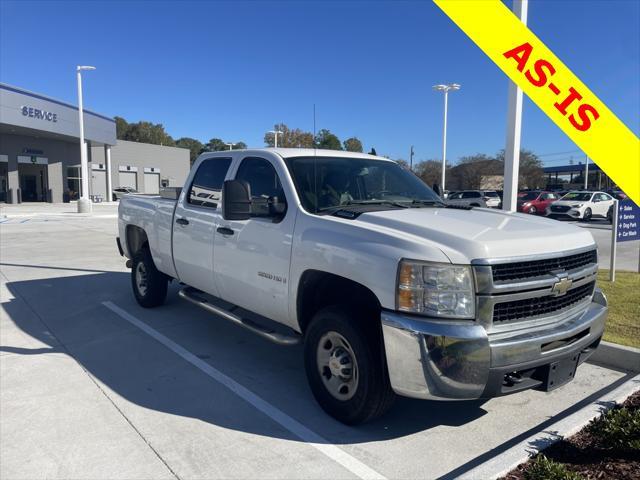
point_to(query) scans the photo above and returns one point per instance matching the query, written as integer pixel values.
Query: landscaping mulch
(584, 454)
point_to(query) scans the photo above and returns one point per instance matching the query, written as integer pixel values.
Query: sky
(233, 69)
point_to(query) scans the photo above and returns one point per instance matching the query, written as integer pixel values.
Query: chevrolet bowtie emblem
(560, 287)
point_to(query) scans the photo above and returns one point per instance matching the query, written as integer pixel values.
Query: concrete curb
(523, 451)
(616, 356)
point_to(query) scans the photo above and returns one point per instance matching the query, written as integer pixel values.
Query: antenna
(315, 160)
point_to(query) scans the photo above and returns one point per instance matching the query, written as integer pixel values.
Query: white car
(390, 290)
(582, 205)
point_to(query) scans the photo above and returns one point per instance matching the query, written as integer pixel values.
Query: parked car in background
(492, 199)
(475, 198)
(582, 205)
(618, 194)
(467, 198)
(119, 192)
(535, 202)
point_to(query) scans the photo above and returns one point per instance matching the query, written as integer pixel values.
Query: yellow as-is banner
(550, 84)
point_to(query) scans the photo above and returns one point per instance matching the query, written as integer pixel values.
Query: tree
(429, 171)
(216, 145)
(402, 163)
(289, 138)
(353, 144)
(239, 146)
(195, 147)
(145, 132)
(531, 170)
(327, 140)
(121, 127)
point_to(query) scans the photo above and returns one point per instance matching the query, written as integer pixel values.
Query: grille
(533, 307)
(560, 208)
(537, 268)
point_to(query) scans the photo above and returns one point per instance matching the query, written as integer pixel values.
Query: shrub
(541, 468)
(618, 428)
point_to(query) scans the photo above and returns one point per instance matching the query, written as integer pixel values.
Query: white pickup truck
(391, 290)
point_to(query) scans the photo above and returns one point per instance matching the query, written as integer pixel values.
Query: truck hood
(465, 235)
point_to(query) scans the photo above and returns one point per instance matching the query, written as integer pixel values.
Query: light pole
(275, 137)
(446, 89)
(230, 145)
(84, 204)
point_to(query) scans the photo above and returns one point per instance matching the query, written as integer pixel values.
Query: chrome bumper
(450, 360)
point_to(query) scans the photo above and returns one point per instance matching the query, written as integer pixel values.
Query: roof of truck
(303, 152)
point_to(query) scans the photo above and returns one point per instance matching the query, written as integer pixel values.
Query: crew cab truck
(391, 290)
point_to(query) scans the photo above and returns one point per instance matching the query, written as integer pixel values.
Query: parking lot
(94, 386)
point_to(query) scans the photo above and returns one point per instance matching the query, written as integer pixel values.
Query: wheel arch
(136, 239)
(318, 289)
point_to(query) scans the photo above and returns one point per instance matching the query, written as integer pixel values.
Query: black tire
(587, 215)
(610, 215)
(373, 394)
(533, 210)
(153, 291)
(474, 205)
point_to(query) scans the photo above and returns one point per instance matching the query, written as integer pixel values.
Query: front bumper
(457, 360)
(572, 213)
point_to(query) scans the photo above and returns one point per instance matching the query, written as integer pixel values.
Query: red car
(535, 202)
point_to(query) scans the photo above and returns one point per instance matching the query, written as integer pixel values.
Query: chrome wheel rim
(141, 279)
(337, 365)
(533, 210)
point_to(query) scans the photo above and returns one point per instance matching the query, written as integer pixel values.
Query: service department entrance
(33, 180)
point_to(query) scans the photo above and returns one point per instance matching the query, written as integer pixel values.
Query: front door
(253, 256)
(29, 188)
(197, 216)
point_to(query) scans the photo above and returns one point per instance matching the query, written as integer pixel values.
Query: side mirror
(436, 188)
(236, 200)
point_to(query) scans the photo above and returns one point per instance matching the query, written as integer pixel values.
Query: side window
(604, 197)
(206, 188)
(471, 195)
(264, 183)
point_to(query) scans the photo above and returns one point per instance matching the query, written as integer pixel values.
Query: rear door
(197, 216)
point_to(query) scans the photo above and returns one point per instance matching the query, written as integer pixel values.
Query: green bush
(618, 428)
(541, 468)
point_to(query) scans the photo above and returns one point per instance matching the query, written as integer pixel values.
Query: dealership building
(40, 153)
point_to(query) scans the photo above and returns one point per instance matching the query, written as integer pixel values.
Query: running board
(197, 298)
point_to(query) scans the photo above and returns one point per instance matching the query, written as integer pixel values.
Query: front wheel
(587, 215)
(533, 210)
(345, 366)
(148, 283)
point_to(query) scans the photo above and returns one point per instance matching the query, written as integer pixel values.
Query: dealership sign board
(628, 221)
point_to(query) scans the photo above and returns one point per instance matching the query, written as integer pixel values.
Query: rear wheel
(345, 366)
(610, 215)
(587, 215)
(148, 283)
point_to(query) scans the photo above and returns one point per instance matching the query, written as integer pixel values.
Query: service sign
(628, 221)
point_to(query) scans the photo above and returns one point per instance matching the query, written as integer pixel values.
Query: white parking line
(303, 433)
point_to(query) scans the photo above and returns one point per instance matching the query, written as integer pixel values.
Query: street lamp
(84, 204)
(446, 89)
(230, 145)
(275, 137)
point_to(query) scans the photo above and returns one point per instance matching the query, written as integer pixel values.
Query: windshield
(528, 196)
(582, 196)
(324, 183)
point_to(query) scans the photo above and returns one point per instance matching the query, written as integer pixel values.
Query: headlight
(577, 205)
(527, 204)
(435, 289)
